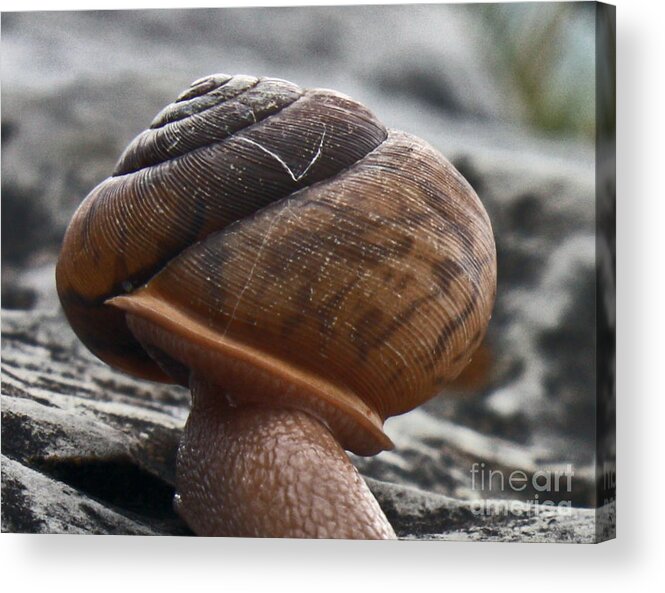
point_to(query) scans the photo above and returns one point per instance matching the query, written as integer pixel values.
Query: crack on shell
(283, 164)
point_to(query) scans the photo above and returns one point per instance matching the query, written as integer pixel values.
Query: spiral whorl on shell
(287, 235)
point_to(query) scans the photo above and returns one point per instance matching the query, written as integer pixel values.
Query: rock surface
(89, 450)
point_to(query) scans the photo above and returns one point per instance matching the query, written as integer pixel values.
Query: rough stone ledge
(89, 450)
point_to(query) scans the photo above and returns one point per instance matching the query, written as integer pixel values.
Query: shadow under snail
(304, 270)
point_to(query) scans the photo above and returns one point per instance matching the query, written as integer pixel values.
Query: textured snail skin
(283, 246)
(300, 482)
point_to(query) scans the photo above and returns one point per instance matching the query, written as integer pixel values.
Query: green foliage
(547, 52)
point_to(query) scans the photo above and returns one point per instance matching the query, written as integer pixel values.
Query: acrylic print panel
(430, 245)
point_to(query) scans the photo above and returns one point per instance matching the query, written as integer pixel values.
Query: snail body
(283, 248)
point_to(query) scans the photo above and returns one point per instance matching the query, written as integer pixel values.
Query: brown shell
(301, 253)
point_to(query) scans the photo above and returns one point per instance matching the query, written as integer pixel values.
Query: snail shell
(286, 246)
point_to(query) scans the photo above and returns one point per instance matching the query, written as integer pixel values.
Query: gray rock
(425, 516)
(89, 450)
(35, 503)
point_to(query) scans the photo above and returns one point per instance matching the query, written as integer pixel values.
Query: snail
(305, 271)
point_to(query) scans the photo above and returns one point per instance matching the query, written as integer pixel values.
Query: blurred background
(505, 91)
